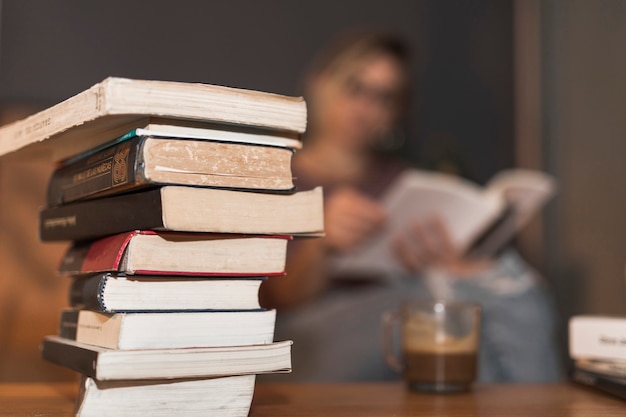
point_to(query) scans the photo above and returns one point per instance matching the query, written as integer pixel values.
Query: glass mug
(439, 343)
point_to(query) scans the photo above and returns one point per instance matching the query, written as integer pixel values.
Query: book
(143, 161)
(480, 220)
(597, 337)
(229, 396)
(614, 368)
(184, 129)
(113, 364)
(113, 293)
(167, 330)
(117, 105)
(602, 383)
(169, 253)
(186, 209)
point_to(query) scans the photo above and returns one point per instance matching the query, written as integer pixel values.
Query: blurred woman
(357, 93)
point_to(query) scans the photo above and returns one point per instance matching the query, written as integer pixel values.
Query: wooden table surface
(370, 399)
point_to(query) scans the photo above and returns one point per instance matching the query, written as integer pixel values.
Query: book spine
(73, 357)
(68, 324)
(599, 338)
(91, 257)
(88, 292)
(113, 169)
(101, 217)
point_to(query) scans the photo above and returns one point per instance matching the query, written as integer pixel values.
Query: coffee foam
(424, 336)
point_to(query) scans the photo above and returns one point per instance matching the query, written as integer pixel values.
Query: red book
(168, 253)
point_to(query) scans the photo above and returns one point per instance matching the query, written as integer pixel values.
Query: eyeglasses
(384, 97)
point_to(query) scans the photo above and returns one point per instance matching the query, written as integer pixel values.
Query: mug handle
(391, 321)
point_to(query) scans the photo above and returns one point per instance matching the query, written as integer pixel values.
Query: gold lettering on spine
(66, 221)
(102, 169)
(120, 164)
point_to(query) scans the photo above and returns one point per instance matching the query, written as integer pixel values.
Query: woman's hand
(427, 243)
(350, 218)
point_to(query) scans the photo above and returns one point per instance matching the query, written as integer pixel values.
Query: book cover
(117, 105)
(603, 383)
(113, 364)
(229, 396)
(597, 337)
(186, 209)
(143, 161)
(168, 330)
(146, 252)
(114, 293)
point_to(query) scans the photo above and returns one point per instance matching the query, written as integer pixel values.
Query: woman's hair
(353, 47)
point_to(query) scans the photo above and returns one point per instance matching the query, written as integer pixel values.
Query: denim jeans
(339, 337)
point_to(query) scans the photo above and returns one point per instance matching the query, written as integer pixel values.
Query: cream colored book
(113, 364)
(115, 106)
(168, 330)
(186, 209)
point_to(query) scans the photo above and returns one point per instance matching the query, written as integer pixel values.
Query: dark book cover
(102, 216)
(70, 356)
(112, 169)
(68, 323)
(604, 383)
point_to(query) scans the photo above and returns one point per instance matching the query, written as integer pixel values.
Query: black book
(604, 383)
(186, 209)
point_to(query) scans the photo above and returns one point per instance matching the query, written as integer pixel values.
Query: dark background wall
(463, 73)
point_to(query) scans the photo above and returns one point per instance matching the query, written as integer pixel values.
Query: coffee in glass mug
(439, 344)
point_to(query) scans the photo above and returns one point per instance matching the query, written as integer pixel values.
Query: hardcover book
(113, 364)
(144, 161)
(166, 253)
(186, 209)
(229, 396)
(117, 105)
(600, 382)
(112, 293)
(167, 330)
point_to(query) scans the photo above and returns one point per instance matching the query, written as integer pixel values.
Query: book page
(416, 196)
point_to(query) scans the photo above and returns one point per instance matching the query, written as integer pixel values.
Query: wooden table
(371, 399)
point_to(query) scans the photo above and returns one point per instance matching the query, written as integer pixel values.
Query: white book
(106, 364)
(225, 397)
(597, 337)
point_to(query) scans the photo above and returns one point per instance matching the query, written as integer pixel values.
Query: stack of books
(597, 347)
(174, 226)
